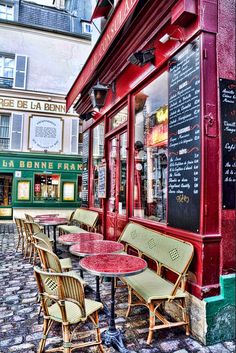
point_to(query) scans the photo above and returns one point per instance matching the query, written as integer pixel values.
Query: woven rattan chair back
(20, 235)
(36, 228)
(42, 239)
(29, 218)
(50, 261)
(63, 301)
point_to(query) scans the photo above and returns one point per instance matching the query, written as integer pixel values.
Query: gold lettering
(72, 166)
(44, 164)
(66, 166)
(59, 165)
(29, 164)
(36, 106)
(79, 167)
(21, 104)
(50, 165)
(4, 103)
(11, 164)
(22, 164)
(36, 165)
(4, 163)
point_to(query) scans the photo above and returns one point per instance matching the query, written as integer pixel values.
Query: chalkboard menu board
(85, 175)
(228, 128)
(184, 139)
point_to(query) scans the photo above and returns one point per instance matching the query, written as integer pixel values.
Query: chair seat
(151, 286)
(73, 311)
(66, 263)
(72, 229)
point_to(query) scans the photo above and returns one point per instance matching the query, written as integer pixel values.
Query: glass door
(117, 171)
(6, 195)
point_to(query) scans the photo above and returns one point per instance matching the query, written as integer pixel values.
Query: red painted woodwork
(183, 12)
(215, 23)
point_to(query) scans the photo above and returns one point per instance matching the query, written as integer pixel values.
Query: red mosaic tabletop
(52, 221)
(49, 215)
(85, 248)
(69, 239)
(113, 265)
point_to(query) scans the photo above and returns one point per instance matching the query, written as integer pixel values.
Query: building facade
(160, 148)
(41, 48)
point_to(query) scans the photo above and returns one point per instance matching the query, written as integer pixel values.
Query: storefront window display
(98, 155)
(46, 187)
(5, 189)
(151, 134)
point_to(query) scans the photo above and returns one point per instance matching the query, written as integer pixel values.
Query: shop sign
(102, 180)
(121, 14)
(32, 105)
(39, 165)
(5, 212)
(45, 134)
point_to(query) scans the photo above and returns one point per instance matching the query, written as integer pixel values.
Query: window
(7, 65)
(4, 132)
(6, 12)
(13, 70)
(98, 155)
(86, 28)
(46, 187)
(119, 118)
(151, 129)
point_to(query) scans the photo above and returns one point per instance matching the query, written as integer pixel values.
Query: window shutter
(74, 135)
(20, 71)
(16, 131)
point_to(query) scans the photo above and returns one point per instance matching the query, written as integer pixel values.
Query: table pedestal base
(114, 339)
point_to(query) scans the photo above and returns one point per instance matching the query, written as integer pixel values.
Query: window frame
(144, 218)
(6, 6)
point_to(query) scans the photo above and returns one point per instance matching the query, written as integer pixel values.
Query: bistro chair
(29, 218)
(20, 234)
(63, 301)
(30, 243)
(42, 245)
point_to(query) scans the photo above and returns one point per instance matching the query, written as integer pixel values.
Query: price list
(84, 196)
(184, 139)
(228, 128)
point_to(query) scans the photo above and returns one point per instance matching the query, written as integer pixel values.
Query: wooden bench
(153, 288)
(83, 220)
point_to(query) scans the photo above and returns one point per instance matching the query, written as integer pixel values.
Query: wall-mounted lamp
(88, 115)
(141, 58)
(167, 37)
(98, 95)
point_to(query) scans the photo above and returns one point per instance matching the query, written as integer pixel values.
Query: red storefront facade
(161, 135)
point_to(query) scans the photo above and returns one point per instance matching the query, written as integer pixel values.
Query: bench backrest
(173, 253)
(86, 217)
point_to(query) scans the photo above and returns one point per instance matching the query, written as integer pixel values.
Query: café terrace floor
(20, 330)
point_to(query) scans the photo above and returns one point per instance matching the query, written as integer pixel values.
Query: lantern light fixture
(88, 115)
(141, 58)
(98, 94)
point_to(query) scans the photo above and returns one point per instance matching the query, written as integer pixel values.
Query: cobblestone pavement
(20, 330)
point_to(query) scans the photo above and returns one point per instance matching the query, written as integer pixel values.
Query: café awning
(102, 9)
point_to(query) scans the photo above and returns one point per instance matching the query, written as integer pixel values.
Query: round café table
(53, 222)
(72, 238)
(113, 265)
(92, 247)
